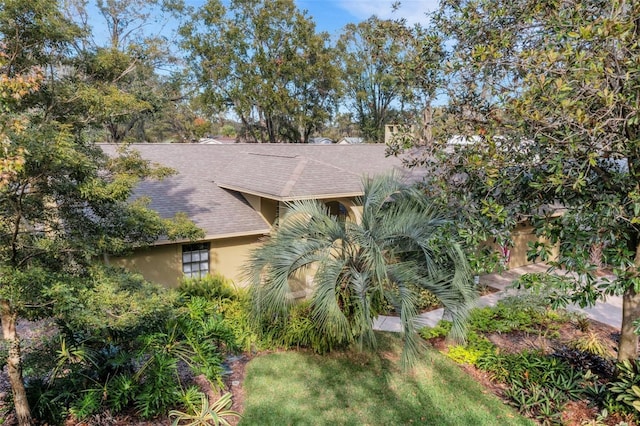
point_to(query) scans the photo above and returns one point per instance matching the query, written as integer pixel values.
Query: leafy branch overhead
(542, 124)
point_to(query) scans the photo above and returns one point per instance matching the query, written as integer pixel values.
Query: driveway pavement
(608, 311)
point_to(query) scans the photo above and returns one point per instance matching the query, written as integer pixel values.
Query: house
(235, 193)
(350, 140)
(320, 141)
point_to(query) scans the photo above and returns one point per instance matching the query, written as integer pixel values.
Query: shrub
(539, 385)
(206, 414)
(464, 354)
(590, 343)
(121, 341)
(296, 330)
(209, 287)
(441, 329)
(626, 387)
(425, 300)
(516, 314)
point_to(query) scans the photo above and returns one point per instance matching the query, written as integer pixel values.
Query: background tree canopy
(264, 61)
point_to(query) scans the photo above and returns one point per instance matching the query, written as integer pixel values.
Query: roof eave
(210, 237)
(291, 198)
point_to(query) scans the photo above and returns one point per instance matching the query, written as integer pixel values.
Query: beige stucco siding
(522, 236)
(163, 264)
(159, 264)
(269, 209)
(229, 255)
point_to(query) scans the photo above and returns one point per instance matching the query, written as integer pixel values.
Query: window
(338, 209)
(195, 260)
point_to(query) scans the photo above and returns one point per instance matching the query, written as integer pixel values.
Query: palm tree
(399, 244)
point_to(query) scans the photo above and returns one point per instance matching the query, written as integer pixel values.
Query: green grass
(295, 388)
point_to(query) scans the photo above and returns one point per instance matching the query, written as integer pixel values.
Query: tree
(265, 62)
(63, 203)
(117, 81)
(543, 101)
(395, 245)
(387, 64)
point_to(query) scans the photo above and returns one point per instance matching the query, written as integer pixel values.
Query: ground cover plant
(125, 348)
(354, 388)
(553, 366)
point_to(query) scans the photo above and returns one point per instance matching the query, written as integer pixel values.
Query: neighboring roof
(217, 140)
(210, 178)
(351, 140)
(320, 140)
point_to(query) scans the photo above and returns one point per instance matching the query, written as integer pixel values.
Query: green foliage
(121, 391)
(207, 414)
(441, 329)
(296, 330)
(425, 300)
(396, 245)
(105, 363)
(477, 347)
(386, 62)
(263, 59)
(88, 404)
(539, 385)
(464, 354)
(231, 304)
(516, 314)
(111, 304)
(236, 314)
(513, 68)
(591, 343)
(159, 390)
(210, 287)
(626, 386)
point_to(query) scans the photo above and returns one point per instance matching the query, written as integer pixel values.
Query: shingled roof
(211, 178)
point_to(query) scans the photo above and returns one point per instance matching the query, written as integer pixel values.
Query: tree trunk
(14, 364)
(427, 123)
(628, 348)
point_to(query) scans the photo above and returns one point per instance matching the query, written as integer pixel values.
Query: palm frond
(398, 243)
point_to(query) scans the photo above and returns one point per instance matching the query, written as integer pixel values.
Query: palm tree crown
(398, 245)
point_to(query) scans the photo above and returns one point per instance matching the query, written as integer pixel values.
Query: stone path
(608, 311)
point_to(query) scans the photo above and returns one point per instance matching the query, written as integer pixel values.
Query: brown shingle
(210, 178)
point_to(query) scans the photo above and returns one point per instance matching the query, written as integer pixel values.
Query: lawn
(300, 388)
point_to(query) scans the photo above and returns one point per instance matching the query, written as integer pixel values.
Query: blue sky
(329, 15)
(332, 15)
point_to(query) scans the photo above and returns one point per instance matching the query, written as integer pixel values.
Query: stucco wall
(163, 264)
(522, 236)
(159, 264)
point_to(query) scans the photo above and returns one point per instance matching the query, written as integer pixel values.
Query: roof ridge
(260, 154)
(295, 175)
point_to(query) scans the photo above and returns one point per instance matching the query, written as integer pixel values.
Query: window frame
(198, 255)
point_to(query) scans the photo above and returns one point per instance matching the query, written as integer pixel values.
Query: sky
(332, 15)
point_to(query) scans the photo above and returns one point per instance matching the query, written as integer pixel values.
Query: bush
(516, 314)
(538, 385)
(296, 330)
(210, 287)
(441, 329)
(425, 300)
(626, 388)
(121, 342)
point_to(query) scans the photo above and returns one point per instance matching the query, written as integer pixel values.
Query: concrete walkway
(608, 311)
